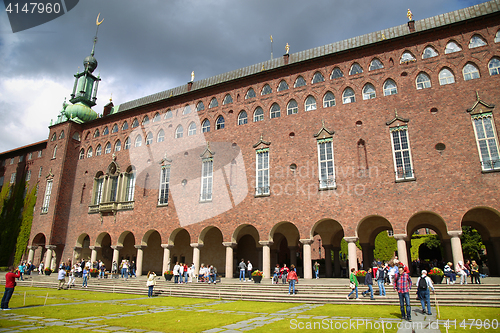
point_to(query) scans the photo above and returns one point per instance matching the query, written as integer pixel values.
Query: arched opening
(248, 248)
(213, 252)
(368, 230)
(328, 234)
(128, 250)
(182, 252)
(286, 248)
(39, 241)
(152, 258)
(104, 250)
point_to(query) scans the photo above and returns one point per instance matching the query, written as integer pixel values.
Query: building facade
(394, 130)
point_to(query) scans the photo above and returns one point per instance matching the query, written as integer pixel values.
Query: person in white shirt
(181, 272)
(249, 268)
(460, 269)
(176, 272)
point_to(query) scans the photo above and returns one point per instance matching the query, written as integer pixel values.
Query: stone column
(229, 258)
(31, 253)
(336, 261)
(402, 252)
(266, 258)
(48, 256)
(448, 253)
(494, 255)
(456, 246)
(306, 248)
(328, 260)
(116, 254)
(293, 255)
(196, 256)
(351, 249)
(367, 261)
(166, 257)
(140, 255)
(93, 254)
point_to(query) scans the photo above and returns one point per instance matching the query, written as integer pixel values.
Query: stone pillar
(116, 255)
(351, 249)
(367, 258)
(306, 249)
(140, 255)
(456, 246)
(448, 254)
(166, 257)
(93, 254)
(48, 255)
(196, 256)
(293, 255)
(229, 258)
(402, 251)
(336, 261)
(266, 258)
(328, 260)
(31, 253)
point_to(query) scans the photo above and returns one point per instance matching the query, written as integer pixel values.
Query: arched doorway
(104, 250)
(331, 233)
(128, 250)
(152, 258)
(286, 247)
(182, 251)
(368, 230)
(213, 252)
(39, 241)
(248, 247)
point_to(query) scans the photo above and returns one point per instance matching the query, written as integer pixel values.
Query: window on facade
(487, 142)
(28, 176)
(192, 129)
(407, 57)
(205, 126)
(21, 158)
(375, 64)
(40, 172)
(13, 177)
(336, 73)
(275, 111)
(113, 188)
(96, 133)
(227, 100)
(149, 138)
(168, 114)
(105, 131)
(76, 136)
(318, 77)
(206, 179)
(135, 123)
(138, 141)
(494, 66)
(81, 156)
(292, 107)
(326, 164)
(258, 114)
(310, 103)
(423, 81)
(187, 109)
(299, 82)
(54, 137)
(476, 41)
(98, 186)
(242, 118)
(30, 156)
(89, 152)
(129, 191)
(118, 145)
(355, 69)
(107, 148)
(127, 144)
(46, 197)
(114, 129)
(497, 37)
(266, 90)
(328, 100)
(401, 153)
(429, 52)
(61, 136)
(98, 150)
(145, 121)
(470, 72)
(39, 153)
(12, 160)
(390, 88)
(348, 96)
(161, 136)
(164, 185)
(368, 91)
(156, 117)
(220, 123)
(446, 77)
(213, 103)
(262, 172)
(179, 132)
(283, 85)
(125, 126)
(452, 47)
(200, 106)
(250, 93)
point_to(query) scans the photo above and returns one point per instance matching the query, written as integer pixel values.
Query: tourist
(176, 272)
(61, 276)
(353, 283)
(369, 283)
(125, 267)
(380, 277)
(424, 285)
(102, 270)
(402, 284)
(249, 269)
(21, 268)
(450, 273)
(474, 267)
(10, 284)
(292, 278)
(72, 274)
(393, 270)
(276, 274)
(85, 275)
(181, 272)
(40, 268)
(151, 283)
(212, 275)
(462, 272)
(132, 269)
(242, 268)
(185, 273)
(114, 268)
(316, 269)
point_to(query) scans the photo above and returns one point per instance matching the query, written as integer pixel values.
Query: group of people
(463, 271)
(245, 269)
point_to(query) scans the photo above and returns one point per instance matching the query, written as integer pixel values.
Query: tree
(472, 245)
(385, 247)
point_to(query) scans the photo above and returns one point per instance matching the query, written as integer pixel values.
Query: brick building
(393, 130)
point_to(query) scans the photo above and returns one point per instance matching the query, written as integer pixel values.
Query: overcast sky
(148, 46)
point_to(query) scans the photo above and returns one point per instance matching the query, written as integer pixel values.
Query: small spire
(287, 48)
(409, 15)
(192, 76)
(95, 37)
(111, 97)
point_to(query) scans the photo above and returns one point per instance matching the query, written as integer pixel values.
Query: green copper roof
(80, 111)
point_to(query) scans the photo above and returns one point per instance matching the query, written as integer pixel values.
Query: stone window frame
(260, 173)
(407, 57)
(47, 195)
(206, 184)
(164, 188)
(326, 181)
(403, 163)
(491, 142)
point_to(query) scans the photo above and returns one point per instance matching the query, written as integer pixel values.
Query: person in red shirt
(10, 284)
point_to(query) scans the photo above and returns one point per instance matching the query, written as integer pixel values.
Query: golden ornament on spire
(97, 20)
(409, 15)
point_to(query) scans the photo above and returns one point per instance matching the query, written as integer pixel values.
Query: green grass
(308, 325)
(248, 306)
(468, 314)
(356, 311)
(167, 301)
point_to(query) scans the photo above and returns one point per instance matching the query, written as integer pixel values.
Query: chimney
(411, 25)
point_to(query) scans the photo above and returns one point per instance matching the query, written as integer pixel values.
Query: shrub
(168, 273)
(257, 273)
(360, 273)
(436, 271)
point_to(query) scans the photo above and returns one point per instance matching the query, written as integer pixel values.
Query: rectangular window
(129, 195)
(206, 179)
(325, 164)
(164, 185)
(39, 153)
(99, 184)
(46, 197)
(21, 158)
(487, 142)
(401, 150)
(28, 175)
(12, 160)
(40, 172)
(30, 156)
(114, 187)
(13, 178)
(262, 172)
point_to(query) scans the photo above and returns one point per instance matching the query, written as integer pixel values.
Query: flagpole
(271, 47)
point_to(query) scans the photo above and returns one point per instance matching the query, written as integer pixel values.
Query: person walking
(151, 283)
(176, 272)
(369, 283)
(61, 276)
(249, 269)
(402, 284)
(21, 269)
(353, 283)
(72, 273)
(381, 280)
(10, 284)
(292, 279)
(316, 269)
(242, 268)
(424, 286)
(85, 276)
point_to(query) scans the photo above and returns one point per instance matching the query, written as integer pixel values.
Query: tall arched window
(105, 131)
(125, 126)
(145, 120)
(213, 103)
(227, 100)
(258, 114)
(179, 132)
(135, 123)
(310, 103)
(89, 152)
(470, 72)
(168, 115)
(348, 96)
(149, 138)
(192, 129)
(96, 133)
(494, 66)
(423, 81)
(107, 148)
(242, 118)
(390, 88)
(118, 145)
(205, 126)
(81, 156)
(292, 107)
(156, 117)
(187, 109)
(114, 129)
(138, 141)
(200, 106)
(220, 123)
(368, 91)
(275, 111)
(98, 150)
(446, 77)
(127, 143)
(328, 100)
(161, 136)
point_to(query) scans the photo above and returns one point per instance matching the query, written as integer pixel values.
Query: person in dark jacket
(369, 283)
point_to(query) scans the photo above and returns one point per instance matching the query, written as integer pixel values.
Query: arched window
(127, 144)
(242, 118)
(145, 120)
(53, 154)
(81, 156)
(375, 64)
(200, 106)
(390, 88)
(348, 96)
(156, 117)
(476, 41)
(135, 123)
(96, 133)
(219, 123)
(336, 73)
(107, 148)
(54, 136)
(328, 100)
(138, 141)
(61, 136)
(168, 114)
(275, 111)
(76, 136)
(452, 47)
(250, 93)
(266, 90)
(470, 72)
(429, 52)
(149, 138)
(118, 145)
(283, 85)
(114, 129)
(213, 103)
(407, 57)
(89, 152)
(192, 129)
(227, 100)
(497, 37)
(179, 132)
(310, 103)
(161, 136)
(318, 77)
(258, 114)
(125, 126)
(355, 69)
(494, 66)
(292, 107)
(368, 91)
(98, 150)
(446, 77)
(205, 126)
(299, 82)
(423, 81)
(105, 131)
(187, 109)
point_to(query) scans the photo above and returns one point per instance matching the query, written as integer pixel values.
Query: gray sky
(148, 46)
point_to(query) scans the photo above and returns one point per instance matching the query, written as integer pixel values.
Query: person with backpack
(369, 283)
(380, 280)
(424, 285)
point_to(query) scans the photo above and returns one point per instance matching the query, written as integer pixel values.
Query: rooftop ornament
(409, 15)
